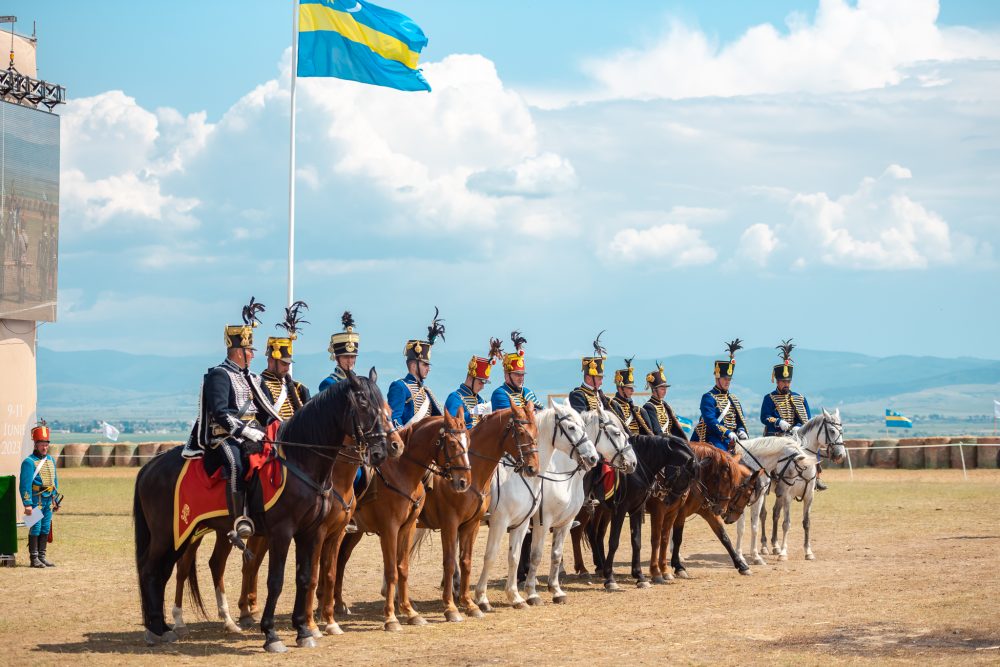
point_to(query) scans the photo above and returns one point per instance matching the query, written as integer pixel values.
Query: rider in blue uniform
(588, 396)
(783, 411)
(39, 489)
(513, 391)
(722, 422)
(467, 396)
(343, 349)
(408, 397)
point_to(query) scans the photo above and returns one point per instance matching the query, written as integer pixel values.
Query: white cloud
(537, 176)
(757, 243)
(675, 245)
(848, 47)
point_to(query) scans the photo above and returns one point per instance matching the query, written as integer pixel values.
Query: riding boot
(43, 542)
(820, 486)
(242, 524)
(33, 551)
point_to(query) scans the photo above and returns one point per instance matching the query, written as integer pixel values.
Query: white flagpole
(291, 156)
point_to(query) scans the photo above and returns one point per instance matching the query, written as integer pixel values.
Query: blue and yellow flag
(359, 41)
(686, 424)
(895, 420)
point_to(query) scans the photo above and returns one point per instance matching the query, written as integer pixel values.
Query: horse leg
(448, 544)
(806, 505)
(786, 523)
(579, 568)
(595, 537)
(306, 571)
(754, 528)
(763, 522)
(217, 564)
(617, 520)
(325, 587)
(275, 582)
(467, 540)
(740, 528)
(350, 541)
(775, 515)
(387, 538)
(635, 528)
(184, 566)
(154, 569)
(492, 549)
(558, 540)
(249, 607)
(715, 523)
(657, 510)
(514, 541)
(403, 542)
(677, 535)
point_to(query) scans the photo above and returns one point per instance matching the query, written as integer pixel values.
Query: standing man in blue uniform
(622, 405)
(467, 396)
(588, 396)
(39, 489)
(783, 412)
(659, 415)
(232, 416)
(513, 391)
(408, 397)
(343, 349)
(722, 422)
(287, 395)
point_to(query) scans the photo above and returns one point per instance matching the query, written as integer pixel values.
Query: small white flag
(110, 432)
(996, 408)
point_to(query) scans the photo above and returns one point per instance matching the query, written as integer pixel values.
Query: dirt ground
(906, 571)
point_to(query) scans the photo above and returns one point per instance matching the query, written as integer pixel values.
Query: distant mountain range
(116, 385)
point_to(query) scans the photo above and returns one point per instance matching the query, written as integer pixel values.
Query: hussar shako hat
(514, 361)
(625, 377)
(420, 350)
(241, 335)
(345, 342)
(595, 365)
(41, 432)
(480, 367)
(724, 368)
(657, 378)
(280, 347)
(784, 370)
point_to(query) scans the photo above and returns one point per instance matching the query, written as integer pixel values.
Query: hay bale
(937, 457)
(125, 454)
(858, 453)
(99, 455)
(988, 452)
(956, 454)
(167, 446)
(884, 458)
(145, 451)
(55, 451)
(73, 455)
(911, 453)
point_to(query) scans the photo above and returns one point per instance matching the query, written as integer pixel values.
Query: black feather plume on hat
(293, 318)
(436, 328)
(733, 346)
(518, 340)
(347, 320)
(250, 312)
(599, 350)
(785, 350)
(496, 349)
(628, 361)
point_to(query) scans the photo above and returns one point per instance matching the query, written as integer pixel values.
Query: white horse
(514, 499)
(563, 497)
(775, 456)
(823, 434)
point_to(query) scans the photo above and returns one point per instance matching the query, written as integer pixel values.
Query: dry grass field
(906, 571)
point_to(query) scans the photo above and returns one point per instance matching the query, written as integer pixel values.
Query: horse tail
(143, 536)
(423, 535)
(192, 576)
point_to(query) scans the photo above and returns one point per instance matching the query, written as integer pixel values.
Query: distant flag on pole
(686, 424)
(359, 41)
(895, 420)
(110, 432)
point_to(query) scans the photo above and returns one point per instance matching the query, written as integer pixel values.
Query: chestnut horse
(313, 441)
(457, 515)
(722, 491)
(434, 445)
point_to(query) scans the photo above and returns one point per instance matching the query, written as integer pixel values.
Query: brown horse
(435, 445)
(313, 441)
(457, 515)
(722, 492)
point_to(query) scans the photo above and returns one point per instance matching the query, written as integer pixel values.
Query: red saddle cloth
(609, 480)
(199, 496)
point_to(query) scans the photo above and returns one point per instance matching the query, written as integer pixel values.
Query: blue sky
(677, 173)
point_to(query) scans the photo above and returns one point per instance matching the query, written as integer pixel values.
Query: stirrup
(243, 526)
(235, 540)
(351, 527)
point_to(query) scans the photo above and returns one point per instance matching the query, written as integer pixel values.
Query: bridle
(618, 461)
(715, 502)
(525, 446)
(829, 426)
(444, 470)
(365, 438)
(575, 446)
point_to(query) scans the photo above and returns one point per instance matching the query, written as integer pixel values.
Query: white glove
(783, 425)
(796, 429)
(253, 434)
(742, 435)
(732, 437)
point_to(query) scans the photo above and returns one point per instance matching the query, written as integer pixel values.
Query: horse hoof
(153, 639)
(520, 605)
(559, 599)
(659, 579)
(642, 584)
(782, 557)
(341, 609)
(474, 612)
(764, 550)
(182, 631)
(612, 586)
(231, 628)
(535, 601)
(277, 646)
(485, 606)
(247, 622)
(759, 561)
(169, 637)
(810, 556)
(332, 629)
(416, 620)
(747, 572)
(682, 574)
(393, 626)
(453, 616)
(317, 633)
(306, 642)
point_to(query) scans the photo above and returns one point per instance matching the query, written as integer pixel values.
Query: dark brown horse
(457, 514)
(723, 490)
(313, 441)
(435, 445)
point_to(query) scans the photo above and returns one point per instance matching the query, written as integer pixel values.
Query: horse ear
(836, 414)
(800, 457)
(352, 378)
(825, 413)
(373, 375)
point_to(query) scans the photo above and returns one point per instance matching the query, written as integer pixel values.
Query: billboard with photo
(29, 212)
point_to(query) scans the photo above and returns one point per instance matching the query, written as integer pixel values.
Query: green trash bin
(8, 515)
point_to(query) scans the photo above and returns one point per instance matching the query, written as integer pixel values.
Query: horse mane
(811, 425)
(314, 422)
(770, 445)
(719, 458)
